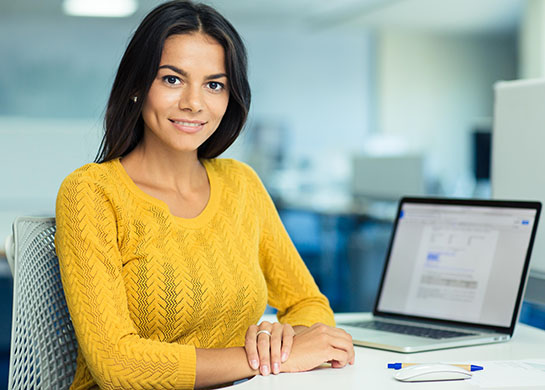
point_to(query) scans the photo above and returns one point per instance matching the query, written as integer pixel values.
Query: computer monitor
(518, 157)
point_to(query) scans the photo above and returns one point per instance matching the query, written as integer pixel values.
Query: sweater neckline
(206, 214)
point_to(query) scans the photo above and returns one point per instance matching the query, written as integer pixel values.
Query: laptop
(454, 275)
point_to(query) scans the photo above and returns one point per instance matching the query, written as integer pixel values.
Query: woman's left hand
(268, 345)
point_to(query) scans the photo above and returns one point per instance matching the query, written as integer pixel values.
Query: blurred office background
(355, 103)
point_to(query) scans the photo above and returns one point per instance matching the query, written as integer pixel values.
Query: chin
(185, 148)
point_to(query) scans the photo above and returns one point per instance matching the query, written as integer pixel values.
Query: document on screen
(452, 270)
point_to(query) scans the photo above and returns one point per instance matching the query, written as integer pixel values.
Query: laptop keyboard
(412, 330)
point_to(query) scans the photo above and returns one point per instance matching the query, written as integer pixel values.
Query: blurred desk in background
(343, 247)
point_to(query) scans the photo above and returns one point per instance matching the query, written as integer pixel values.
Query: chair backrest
(43, 344)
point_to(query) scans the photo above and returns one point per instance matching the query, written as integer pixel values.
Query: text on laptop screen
(459, 263)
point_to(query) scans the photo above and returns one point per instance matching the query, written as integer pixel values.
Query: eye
(216, 86)
(171, 80)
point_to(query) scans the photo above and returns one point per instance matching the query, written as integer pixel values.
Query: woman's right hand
(317, 345)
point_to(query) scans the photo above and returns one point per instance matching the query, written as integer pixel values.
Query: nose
(191, 99)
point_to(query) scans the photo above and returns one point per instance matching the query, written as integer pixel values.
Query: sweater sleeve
(91, 271)
(291, 287)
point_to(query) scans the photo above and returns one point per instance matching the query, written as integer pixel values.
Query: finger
(351, 351)
(342, 363)
(263, 349)
(343, 344)
(336, 364)
(338, 358)
(265, 325)
(353, 360)
(276, 345)
(344, 341)
(250, 346)
(338, 338)
(287, 341)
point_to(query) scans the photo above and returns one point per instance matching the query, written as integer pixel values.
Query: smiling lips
(188, 126)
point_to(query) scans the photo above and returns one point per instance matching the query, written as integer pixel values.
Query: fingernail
(276, 368)
(284, 357)
(265, 370)
(254, 364)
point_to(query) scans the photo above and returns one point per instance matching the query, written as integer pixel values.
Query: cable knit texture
(145, 288)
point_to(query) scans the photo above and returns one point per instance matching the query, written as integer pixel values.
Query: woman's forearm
(217, 366)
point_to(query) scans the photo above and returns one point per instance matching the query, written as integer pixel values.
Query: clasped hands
(275, 347)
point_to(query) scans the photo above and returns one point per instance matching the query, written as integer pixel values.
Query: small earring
(135, 99)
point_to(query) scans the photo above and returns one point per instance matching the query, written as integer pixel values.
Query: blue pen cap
(397, 366)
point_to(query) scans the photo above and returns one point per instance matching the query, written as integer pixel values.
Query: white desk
(370, 372)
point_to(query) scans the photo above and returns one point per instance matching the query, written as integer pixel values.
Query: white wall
(36, 155)
(58, 67)
(432, 89)
(532, 40)
(315, 82)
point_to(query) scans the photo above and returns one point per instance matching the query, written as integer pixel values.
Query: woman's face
(189, 95)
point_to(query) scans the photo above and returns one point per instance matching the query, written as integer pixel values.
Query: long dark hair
(123, 123)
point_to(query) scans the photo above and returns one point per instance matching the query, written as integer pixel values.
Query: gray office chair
(43, 344)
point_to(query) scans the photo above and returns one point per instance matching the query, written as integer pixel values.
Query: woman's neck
(175, 171)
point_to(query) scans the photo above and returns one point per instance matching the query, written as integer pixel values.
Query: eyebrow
(184, 73)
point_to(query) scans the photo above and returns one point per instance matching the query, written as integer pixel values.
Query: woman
(169, 256)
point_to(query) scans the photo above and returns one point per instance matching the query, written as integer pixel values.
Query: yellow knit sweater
(145, 288)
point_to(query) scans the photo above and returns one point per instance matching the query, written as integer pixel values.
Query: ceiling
(464, 16)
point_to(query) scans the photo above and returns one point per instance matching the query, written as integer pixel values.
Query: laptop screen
(457, 262)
